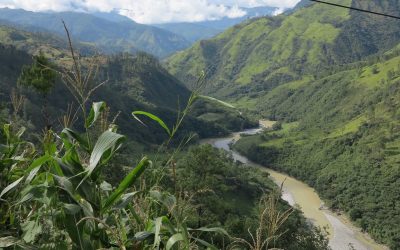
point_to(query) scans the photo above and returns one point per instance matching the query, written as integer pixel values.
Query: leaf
(97, 108)
(65, 184)
(105, 186)
(157, 238)
(168, 200)
(10, 187)
(86, 207)
(35, 167)
(213, 229)
(140, 236)
(127, 182)
(6, 130)
(8, 241)
(205, 243)
(105, 147)
(20, 132)
(31, 230)
(153, 117)
(174, 239)
(71, 208)
(125, 200)
(217, 101)
(70, 134)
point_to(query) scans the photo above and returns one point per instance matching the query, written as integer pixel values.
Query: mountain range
(109, 32)
(113, 33)
(134, 82)
(258, 55)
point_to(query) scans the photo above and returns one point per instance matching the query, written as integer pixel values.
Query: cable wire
(357, 9)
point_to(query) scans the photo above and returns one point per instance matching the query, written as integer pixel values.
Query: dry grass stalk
(271, 220)
(69, 118)
(17, 101)
(79, 79)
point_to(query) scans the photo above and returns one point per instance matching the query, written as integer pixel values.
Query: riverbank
(343, 234)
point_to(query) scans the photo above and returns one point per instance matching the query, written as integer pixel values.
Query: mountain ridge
(109, 36)
(260, 54)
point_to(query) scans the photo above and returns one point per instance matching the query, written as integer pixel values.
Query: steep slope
(109, 36)
(260, 54)
(332, 77)
(135, 82)
(341, 135)
(50, 44)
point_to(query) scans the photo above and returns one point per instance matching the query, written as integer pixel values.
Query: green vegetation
(331, 77)
(253, 58)
(40, 42)
(130, 82)
(62, 192)
(344, 143)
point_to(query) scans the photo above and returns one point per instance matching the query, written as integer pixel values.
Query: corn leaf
(103, 150)
(8, 241)
(217, 101)
(157, 238)
(173, 240)
(97, 108)
(153, 117)
(69, 134)
(10, 187)
(127, 182)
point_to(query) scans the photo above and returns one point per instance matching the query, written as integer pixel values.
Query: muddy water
(342, 234)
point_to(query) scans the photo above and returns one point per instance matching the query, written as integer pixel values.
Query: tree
(40, 76)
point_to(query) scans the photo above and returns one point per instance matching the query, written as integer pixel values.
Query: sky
(153, 11)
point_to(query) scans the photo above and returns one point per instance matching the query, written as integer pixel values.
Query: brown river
(342, 234)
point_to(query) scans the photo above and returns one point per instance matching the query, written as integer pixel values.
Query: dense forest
(350, 123)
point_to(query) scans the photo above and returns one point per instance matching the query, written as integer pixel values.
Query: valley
(117, 134)
(341, 232)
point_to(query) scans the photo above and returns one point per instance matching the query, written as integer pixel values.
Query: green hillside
(341, 135)
(108, 36)
(260, 54)
(51, 45)
(134, 82)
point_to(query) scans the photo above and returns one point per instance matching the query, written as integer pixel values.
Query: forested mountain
(330, 75)
(134, 82)
(110, 36)
(195, 31)
(258, 55)
(45, 42)
(341, 135)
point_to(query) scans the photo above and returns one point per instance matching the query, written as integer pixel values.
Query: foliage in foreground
(55, 194)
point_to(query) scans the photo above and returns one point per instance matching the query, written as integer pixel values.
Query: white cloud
(258, 3)
(160, 11)
(152, 11)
